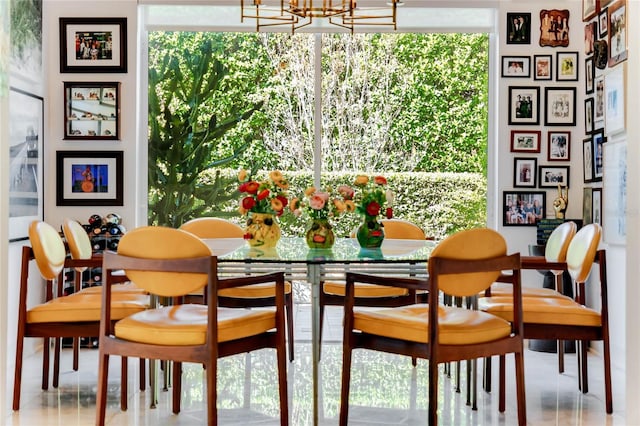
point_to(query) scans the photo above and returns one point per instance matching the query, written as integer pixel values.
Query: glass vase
(371, 233)
(320, 234)
(262, 230)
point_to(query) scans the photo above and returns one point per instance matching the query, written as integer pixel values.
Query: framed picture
(518, 28)
(567, 66)
(516, 66)
(590, 34)
(523, 208)
(542, 65)
(598, 161)
(599, 103)
(524, 172)
(600, 54)
(26, 170)
(587, 206)
(554, 28)
(560, 107)
(596, 206)
(589, 9)
(89, 178)
(524, 105)
(558, 145)
(615, 115)
(92, 111)
(590, 72)
(603, 22)
(588, 115)
(617, 32)
(552, 176)
(587, 160)
(525, 141)
(93, 45)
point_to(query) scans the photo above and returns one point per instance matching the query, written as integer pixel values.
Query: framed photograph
(598, 161)
(587, 160)
(558, 145)
(552, 176)
(587, 205)
(596, 206)
(603, 22)
(590, 72)
(554, 28)
(524, 105)
(542, 67)
(567, 66)
(588, 115)
(92, 111)
(560, 107)
(590, 34)
(617, 32)
(600, 54)
(589, 9)
(615, 115)
(93, 45)
(523, 208)
(614, 209)
(599, 102)
(525, 141)
(89, 178)
(516, 66)
(524, 172)
(26, 170)
(518, 28)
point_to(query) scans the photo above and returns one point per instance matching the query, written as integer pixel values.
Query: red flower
(263, 194)
(247, 236)
(380, 180)
(243, 187)
(389, 213)
(373, 208)
(283, 200)
(252, 187)
(248, 203)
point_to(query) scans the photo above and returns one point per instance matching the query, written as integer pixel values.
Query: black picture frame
(558, 145)
(552, 176)
(560, 106)
(516, 66)
(588, 116)
(542, 67)
(603, 22)
(598, 139)
(89, 178)
(596, 206)
(587, 160)
(524, 172)
(567, 66)
(528, 113)
(106, 49)
(523, 208)
(518, 28)
(26, 165)
(91, 110)
(589, 75)
(587, 205)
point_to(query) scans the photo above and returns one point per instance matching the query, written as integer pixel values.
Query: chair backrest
(558, 242)
(582, 251)
(213, 227)
(157, 242)
(402, 230)
(77, 239)
(471, 244)
(48, 249)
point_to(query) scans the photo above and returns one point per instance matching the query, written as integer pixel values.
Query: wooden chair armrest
(539, 262)
(408, 283)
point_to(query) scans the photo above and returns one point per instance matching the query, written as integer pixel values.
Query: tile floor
(386, 390)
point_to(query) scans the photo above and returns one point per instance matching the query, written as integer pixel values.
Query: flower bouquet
(263, 202)
(322, 206)
(373, 201)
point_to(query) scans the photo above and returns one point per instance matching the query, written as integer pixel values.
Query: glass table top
(345, 250)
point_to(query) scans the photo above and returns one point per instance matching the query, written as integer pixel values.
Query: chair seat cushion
(183, 325)
(127, 287)
(540, 310)
(80, 307)
(364, 290)
(254, 291)
(457, 326)
(506, 290)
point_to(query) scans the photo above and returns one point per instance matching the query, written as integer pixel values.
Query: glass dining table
(299, 262)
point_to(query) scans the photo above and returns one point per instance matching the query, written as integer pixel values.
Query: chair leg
(321, 322)
(486, 375)
(76, 353)
(584, 373)
(520, 392)
(433, 393)
(177, 386)
(282, 378)
(45, 364)
(101, 397)
(608, 395)
(143, 374)
(346, 382)
(560, 356)
(502, 385)
(211, 370)
(56, 361)
(288, 299)
(124, 362)
(17, 377)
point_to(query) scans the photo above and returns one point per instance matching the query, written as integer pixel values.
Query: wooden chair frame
(435, 352)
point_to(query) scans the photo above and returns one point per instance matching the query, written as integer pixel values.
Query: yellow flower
(362, 180)
(294, 204)
(341, 206)
(276, 205)
(350, 205)
(276, 176)
(242, 210)
(242, 175)
(309, 191)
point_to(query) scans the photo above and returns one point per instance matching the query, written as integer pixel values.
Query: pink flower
(346, 191)
(316, 202)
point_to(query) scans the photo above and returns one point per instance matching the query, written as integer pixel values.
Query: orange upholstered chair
(462, 265)
(171, 263)
(259, 295)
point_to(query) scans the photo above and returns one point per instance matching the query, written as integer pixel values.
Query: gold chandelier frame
(301, 13)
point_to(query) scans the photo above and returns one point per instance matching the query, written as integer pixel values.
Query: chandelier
(300, 13)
